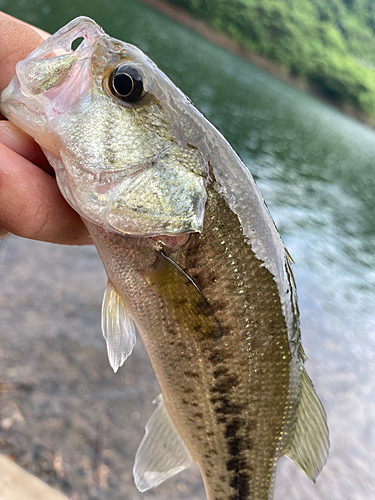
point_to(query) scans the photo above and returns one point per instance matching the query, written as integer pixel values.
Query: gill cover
(122, 162)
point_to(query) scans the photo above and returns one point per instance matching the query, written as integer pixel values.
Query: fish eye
(126, 83)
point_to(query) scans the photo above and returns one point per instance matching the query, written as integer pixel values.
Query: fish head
(123, 139)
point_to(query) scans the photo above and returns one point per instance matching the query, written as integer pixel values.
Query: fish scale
(261, 333)
(193, 259)
(243, 413)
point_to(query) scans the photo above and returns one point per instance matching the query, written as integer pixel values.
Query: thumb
(19, 142)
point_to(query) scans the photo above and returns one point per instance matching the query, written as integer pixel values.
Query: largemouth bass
(193, 259)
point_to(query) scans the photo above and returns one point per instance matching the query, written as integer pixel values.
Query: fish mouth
(14, 108)
(24, 117)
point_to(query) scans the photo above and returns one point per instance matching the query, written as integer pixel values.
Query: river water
(316, 170)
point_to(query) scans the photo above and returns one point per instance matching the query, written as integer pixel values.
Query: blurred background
(64, 415)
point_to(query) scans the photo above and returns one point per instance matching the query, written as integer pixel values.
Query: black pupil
(126, 83)
(123, 84)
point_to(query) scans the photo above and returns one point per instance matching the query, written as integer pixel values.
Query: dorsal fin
(117, 326)
(162, 453)
(308, 447)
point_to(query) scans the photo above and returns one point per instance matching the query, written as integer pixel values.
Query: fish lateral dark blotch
(235, 446)
(221, 370)
(225, 384)
(236, 464)
(232, 428)
(186, 303)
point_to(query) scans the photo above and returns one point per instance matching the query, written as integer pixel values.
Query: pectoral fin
(117, 326)
(309, 444)
(183, 299)
(162, 453)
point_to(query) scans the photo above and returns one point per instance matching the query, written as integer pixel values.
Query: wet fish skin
(193, 258)
(226, 402)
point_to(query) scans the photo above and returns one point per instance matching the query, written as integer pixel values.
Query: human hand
(31, 204)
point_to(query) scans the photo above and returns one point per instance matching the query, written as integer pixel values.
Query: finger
(17, 40)
(42, 33)
(10, 135)
(32, 205)
(22, 144)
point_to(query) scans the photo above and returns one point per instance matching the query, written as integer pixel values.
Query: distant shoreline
(261, 62)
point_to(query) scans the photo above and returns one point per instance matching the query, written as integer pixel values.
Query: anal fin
(117, 326)
(309, 444)
(162, 453)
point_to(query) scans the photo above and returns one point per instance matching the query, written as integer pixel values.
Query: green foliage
(330, 44)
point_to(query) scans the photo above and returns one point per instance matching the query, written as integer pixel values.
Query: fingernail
(16, 140)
